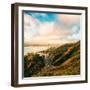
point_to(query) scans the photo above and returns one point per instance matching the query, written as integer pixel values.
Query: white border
(33, 80)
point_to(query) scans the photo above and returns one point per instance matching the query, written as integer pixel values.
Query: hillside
(62, 60)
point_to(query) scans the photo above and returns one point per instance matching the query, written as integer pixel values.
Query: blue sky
(51, 28)
(43, 17)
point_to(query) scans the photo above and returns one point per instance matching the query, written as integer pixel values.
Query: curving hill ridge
(63, 60)
(67, 53)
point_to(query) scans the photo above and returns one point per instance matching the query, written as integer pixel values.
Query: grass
(63, 60)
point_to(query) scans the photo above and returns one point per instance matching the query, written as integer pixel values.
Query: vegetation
(63, 60)
(32, 64)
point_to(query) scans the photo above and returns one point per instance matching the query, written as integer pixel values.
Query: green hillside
(63, 60)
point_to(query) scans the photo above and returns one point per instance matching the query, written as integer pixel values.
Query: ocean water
(34, 49)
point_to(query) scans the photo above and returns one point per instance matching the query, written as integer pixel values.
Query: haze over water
(34, 49)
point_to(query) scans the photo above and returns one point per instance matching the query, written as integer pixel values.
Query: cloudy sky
(50, 28)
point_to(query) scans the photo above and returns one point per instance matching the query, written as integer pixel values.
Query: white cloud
(30, 24)
(50, 32)
(69, 19)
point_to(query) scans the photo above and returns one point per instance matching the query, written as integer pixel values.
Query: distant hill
(29, 44)
(62, 60)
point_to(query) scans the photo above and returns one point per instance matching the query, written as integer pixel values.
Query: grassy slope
(65, 60)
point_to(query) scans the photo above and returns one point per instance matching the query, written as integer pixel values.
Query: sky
(50, 28)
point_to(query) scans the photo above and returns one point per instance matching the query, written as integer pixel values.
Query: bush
(33, 65)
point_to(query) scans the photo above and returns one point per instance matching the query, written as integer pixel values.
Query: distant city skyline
(50, 28)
